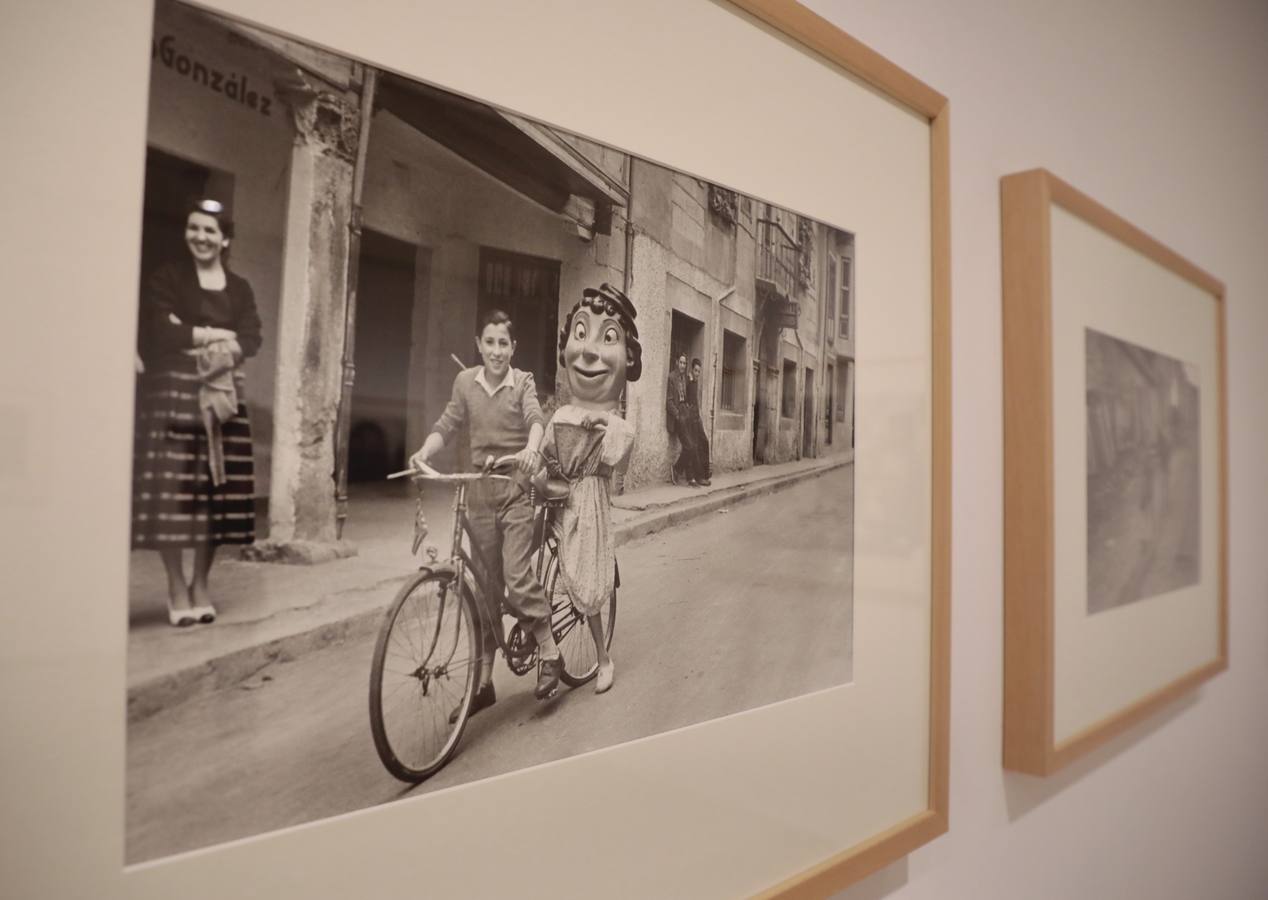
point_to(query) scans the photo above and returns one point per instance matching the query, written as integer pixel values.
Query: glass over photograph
(465, 444)
(1143, 473)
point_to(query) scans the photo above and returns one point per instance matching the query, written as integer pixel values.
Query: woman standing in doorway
(193, 472)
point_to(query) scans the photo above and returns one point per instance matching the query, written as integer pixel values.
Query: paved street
(735, 610)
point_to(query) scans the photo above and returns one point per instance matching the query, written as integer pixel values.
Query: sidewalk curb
(670, 515)
(152, 696)
(164, 691)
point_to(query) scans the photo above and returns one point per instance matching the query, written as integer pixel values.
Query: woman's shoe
(604, 679)
(181, 618)
(204, 614)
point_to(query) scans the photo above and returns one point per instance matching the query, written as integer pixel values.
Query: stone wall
(201, 77)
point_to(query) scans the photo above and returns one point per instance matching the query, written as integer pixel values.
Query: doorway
(828, 383)
(172, 186)
(808, 416)
(758, 387)
(686, 335)
(384, 316)
(765, 411)
(526, 288)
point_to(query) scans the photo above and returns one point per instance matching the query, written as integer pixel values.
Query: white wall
(1156, 109)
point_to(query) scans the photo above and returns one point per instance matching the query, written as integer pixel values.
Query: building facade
(377, 218)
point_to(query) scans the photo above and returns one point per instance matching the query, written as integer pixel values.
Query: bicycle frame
(436, 624)
(472, 568)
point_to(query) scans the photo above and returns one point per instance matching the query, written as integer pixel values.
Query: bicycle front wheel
(572, 632)
(424, 675)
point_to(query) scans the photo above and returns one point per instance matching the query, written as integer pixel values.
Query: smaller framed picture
(1115, 484)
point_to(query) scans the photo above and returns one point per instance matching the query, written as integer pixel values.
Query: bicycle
(429, 651)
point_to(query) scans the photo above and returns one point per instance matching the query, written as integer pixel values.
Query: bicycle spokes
(572, 629)
(424, 676)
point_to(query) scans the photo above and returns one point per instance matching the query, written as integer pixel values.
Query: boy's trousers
(501, 521)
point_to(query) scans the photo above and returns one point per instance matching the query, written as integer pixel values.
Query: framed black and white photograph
(514, 440)
(1144, 487)
(1115, 497)
(374, 235)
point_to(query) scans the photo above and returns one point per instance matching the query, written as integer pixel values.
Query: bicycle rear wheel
(572, 634)
(424, 675)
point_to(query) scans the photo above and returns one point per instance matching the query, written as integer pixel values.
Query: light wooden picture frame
(818, 35)
(1115, 468)
(763, 801)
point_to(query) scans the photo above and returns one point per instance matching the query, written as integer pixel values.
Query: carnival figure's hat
(616, 303)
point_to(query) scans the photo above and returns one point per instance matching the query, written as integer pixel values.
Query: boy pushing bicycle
(498, 406)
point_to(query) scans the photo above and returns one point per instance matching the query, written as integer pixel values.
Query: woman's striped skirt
(174, 503)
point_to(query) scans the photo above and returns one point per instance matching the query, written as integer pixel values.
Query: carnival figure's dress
(586, 457)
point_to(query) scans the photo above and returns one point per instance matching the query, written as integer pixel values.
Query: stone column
(311, 323)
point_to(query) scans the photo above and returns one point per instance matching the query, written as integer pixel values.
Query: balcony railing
(777, 257)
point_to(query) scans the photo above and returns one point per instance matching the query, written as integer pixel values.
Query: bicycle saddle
(550, 490)
(554, 489)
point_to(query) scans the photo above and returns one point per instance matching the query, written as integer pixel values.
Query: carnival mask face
(596, 358)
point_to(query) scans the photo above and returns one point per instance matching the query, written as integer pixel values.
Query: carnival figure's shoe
(181, 618)
(204, 614)
(603, 681)
(548, 677)
(704, 482)
(485, 697)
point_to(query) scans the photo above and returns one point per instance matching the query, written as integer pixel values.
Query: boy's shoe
(548, 677)
(484, 697)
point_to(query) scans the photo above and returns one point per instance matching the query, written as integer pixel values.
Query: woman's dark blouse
(173, 290)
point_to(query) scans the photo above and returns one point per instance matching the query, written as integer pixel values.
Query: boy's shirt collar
(508, 380)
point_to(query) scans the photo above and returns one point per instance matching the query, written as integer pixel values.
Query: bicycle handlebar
(427, 473)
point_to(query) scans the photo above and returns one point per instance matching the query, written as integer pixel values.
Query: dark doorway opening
(384, 327)
(828, 384)
(172, 186)
(765, 409)
(526, 288)
(808, 416)
(686, 335)
(686, 338)
(757, 408)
